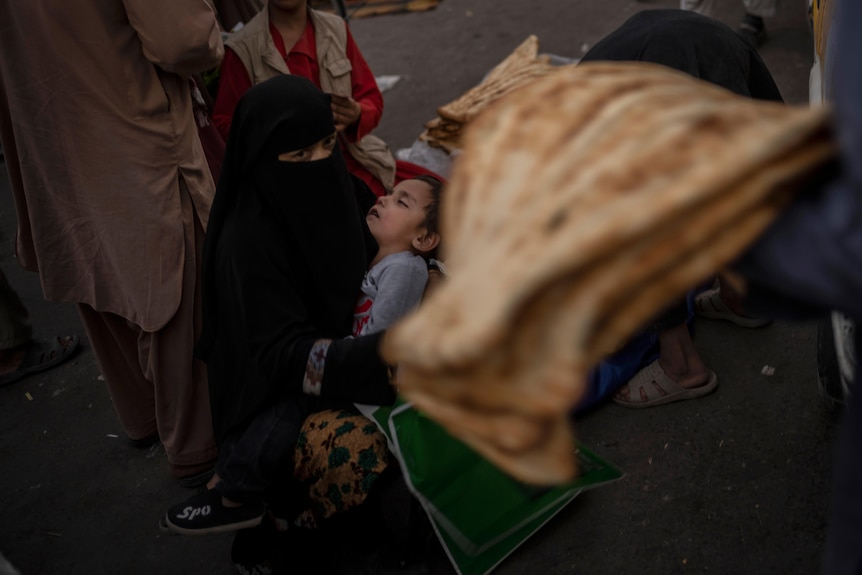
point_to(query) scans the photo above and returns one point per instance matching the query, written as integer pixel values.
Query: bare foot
(680, 360)
(688, 378)
(214, 480)
(730, 297)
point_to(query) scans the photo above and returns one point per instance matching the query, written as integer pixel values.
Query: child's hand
(345, 111)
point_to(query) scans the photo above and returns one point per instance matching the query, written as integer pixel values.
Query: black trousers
(257, 462)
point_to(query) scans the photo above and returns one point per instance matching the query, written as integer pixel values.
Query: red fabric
(406, 171)
(302, 61)
(233, 83)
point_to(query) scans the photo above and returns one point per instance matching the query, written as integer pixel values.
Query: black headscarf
(285, 251)
(698, 45)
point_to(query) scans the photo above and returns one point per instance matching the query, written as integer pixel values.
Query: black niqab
(285, 251)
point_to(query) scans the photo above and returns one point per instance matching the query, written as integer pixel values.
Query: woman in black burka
(709, 50)
(286, 250)
(285, 254)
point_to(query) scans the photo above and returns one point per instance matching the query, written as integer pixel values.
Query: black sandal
(42, 355)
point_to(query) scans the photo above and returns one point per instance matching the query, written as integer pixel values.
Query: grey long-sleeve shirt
(390, 289)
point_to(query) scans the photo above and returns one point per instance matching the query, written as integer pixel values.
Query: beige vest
(255, 48)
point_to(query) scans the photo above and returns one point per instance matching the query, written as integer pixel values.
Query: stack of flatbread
(519, 68)
(581, 206)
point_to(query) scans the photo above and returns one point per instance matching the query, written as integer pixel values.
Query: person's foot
(752, 29)
(208, 512)
(34, 356)
(689, 376)
(652, 386)
(718, 303)
(678, 373)
(144, 442)
(679, 359)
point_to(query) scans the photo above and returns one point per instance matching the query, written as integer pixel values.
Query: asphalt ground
(736, 482)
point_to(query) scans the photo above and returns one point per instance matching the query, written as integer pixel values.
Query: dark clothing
(843, 551)
(691, 43)
(284, 257)
(15, 326)
(810, 259)
(261, 457)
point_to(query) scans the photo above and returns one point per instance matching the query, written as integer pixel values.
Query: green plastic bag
(480, 513)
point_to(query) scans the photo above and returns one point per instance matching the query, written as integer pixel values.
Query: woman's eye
(403, 203)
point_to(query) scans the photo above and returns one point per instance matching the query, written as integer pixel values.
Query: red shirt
(234, 81)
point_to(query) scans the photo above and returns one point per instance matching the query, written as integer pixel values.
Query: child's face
(316, 151)
(396, 220)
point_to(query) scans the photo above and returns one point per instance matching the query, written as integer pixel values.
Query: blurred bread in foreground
(583, 203)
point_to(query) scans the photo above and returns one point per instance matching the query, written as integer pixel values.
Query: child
(404, 224)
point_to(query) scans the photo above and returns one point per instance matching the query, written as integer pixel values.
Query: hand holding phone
(345, 111)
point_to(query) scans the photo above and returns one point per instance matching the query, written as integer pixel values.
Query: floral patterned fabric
(339, 455)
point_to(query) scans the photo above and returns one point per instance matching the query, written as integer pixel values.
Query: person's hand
(345, 111)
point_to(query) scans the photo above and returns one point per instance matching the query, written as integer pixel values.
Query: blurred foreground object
(583, 204)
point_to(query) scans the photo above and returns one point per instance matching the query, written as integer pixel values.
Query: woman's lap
(339, 456)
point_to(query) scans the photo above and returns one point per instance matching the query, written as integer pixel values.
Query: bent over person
(113, 193)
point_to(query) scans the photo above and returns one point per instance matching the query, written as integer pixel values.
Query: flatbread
(518, 69)
(581, 206)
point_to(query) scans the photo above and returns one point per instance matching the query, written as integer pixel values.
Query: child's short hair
(432, 211)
